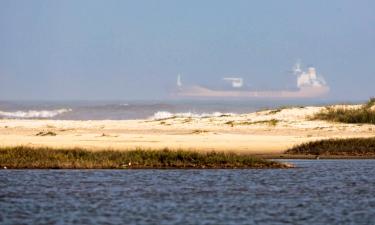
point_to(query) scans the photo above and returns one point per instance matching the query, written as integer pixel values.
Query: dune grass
(46, 158)
(363, 115)
(340, 147)
(271, 122)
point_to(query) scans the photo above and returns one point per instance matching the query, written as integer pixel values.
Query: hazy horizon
(128, 50)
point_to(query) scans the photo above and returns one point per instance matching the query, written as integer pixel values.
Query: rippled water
(121, 110)
(318, 192)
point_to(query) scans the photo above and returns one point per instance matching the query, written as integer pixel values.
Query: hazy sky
(91, 49)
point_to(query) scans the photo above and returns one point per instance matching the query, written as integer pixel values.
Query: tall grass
(365, 114)
(46, 158)
(346, 147)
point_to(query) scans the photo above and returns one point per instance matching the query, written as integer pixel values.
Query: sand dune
(270, 131)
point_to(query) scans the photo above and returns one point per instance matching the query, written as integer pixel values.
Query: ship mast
(179, 83)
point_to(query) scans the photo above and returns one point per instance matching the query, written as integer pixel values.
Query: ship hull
(198, 91)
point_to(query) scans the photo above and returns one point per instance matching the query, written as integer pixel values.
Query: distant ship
(308, 85)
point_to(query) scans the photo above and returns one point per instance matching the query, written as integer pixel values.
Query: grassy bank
(339, 147)
(46, 158)
(365, 114)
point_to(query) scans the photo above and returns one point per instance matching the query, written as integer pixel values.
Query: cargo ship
(308, 85)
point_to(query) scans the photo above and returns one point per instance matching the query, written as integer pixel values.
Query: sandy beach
(265, 132)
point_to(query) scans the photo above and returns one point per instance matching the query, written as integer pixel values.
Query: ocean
(124, 110)
(316, 192)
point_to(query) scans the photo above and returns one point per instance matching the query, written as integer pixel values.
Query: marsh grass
(46, 158)
(365, 114)
(344, 147)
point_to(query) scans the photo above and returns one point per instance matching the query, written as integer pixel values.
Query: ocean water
(120, 110)
(316, 192)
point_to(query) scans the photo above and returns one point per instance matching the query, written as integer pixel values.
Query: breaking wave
(34, 113)
(166, 115)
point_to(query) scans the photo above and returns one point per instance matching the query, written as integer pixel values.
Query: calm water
(318, 192)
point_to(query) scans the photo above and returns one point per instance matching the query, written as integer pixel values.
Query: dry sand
(250, 133)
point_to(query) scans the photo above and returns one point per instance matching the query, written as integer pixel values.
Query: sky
(114, 50)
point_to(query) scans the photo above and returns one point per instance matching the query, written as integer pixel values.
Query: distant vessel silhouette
(309, 85)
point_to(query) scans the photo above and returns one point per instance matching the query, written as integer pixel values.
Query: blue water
(317, 192)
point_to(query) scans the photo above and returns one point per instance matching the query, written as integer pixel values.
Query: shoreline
(313, 157)
(268, 132)
(19, 158)
(46, 158)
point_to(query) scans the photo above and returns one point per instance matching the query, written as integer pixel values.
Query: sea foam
(165, 115)
(34, 113)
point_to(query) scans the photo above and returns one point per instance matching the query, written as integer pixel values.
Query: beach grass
(271, 122)
(363, 115)
(339, 147)
(47, 158)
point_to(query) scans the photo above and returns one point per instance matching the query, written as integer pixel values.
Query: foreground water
(317, 192)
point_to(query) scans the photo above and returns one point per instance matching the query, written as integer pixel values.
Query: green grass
(342, 147)
(370, 103)
(362, 115)
(46, 158)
